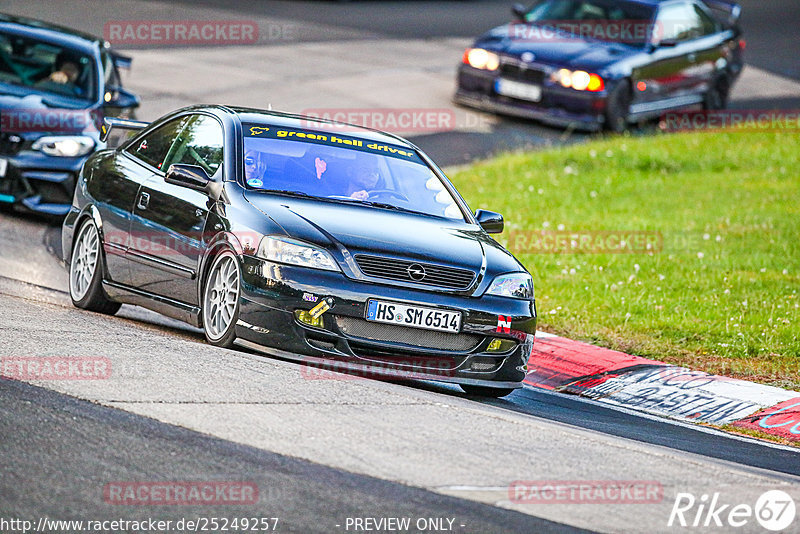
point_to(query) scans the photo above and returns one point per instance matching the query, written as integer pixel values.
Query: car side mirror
(519, 11)
(117, 97)
(490, 221)
(189, 176)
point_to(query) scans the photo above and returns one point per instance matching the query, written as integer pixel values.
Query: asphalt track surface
(75, 448)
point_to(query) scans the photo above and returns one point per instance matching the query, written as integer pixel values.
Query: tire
(618, 107)
(717, 96)
(483, 391)
(220, 304)
(86, 268)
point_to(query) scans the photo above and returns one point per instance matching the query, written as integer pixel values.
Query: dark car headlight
(294, 252)
(64, 146)
(515, 285)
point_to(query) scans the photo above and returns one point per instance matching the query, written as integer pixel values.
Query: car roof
(53, 33)
(305, 122)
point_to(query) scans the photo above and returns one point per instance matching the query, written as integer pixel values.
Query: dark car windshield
(46, 67)
(604, 20)
(341, 168)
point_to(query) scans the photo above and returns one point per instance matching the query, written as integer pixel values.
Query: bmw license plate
(523, 91)
(413, 316)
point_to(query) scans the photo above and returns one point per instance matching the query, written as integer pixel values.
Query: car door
(671, 69)
(169, 220)
(135, 165)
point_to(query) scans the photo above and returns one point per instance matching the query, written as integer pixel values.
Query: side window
(153, 148)
(678, 22)
(200, 143)
(110, 78)
(708, 24)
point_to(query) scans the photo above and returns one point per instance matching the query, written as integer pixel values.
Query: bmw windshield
(336, 167)
(32, 64)
(604, 20)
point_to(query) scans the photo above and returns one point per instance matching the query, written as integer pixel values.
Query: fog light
(306, 318)
(500, 345)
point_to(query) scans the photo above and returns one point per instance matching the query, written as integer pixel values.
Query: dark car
(343, 247)
(605, 63)
(56, 85)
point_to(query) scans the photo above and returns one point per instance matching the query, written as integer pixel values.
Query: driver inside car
(363, 178)
(254, 168)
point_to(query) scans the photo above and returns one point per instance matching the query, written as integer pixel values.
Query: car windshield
(341, 168)
(605, 20)
(46, 67)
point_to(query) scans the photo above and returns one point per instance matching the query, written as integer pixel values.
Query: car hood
(571, 51)
(34, 114)
(368, 230)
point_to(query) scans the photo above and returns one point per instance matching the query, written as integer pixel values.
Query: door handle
(144, 200)
(692, 57)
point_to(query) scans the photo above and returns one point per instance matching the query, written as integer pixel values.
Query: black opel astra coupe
(342, 247)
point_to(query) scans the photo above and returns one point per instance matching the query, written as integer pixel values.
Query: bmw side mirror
(519, 11)
(490, 221)
(189, 176)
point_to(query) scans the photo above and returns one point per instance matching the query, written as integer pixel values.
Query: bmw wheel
(86, 269)
(221, 300)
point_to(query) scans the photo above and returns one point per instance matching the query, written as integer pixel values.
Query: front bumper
(347, 342)
(558, 106)
(39, 183)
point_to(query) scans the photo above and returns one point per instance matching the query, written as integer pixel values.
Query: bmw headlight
(515, 285)
(479, 58)
(64, 146)
(293, 252)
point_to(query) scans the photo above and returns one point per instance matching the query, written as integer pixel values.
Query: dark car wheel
(483, 391)
(85, 272)
(717, 96)
(618, 107)
(221, 300)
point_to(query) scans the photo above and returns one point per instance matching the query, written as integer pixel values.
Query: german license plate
(414, 316)
(3, 167)
(523, 91)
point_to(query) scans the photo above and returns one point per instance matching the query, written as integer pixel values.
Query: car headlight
(481, 59)
(292, 252)
(579, 80)
(516, 285)
(64, 146)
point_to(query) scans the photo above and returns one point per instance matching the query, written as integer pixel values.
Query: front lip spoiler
(548, 116)
(368, 371)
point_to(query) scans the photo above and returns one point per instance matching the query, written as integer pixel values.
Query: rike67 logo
(774, 510)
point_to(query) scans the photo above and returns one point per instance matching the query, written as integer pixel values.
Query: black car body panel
(35, 109)
(160, 238)
(657, 75)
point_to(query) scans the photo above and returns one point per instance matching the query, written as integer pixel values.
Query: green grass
(721, 294)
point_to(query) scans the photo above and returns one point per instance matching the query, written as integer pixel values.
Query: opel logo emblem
(527, 57)
(416, 271)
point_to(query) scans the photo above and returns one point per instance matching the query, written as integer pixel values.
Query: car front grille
(522, 72)
(429, 339)
(415, 272)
